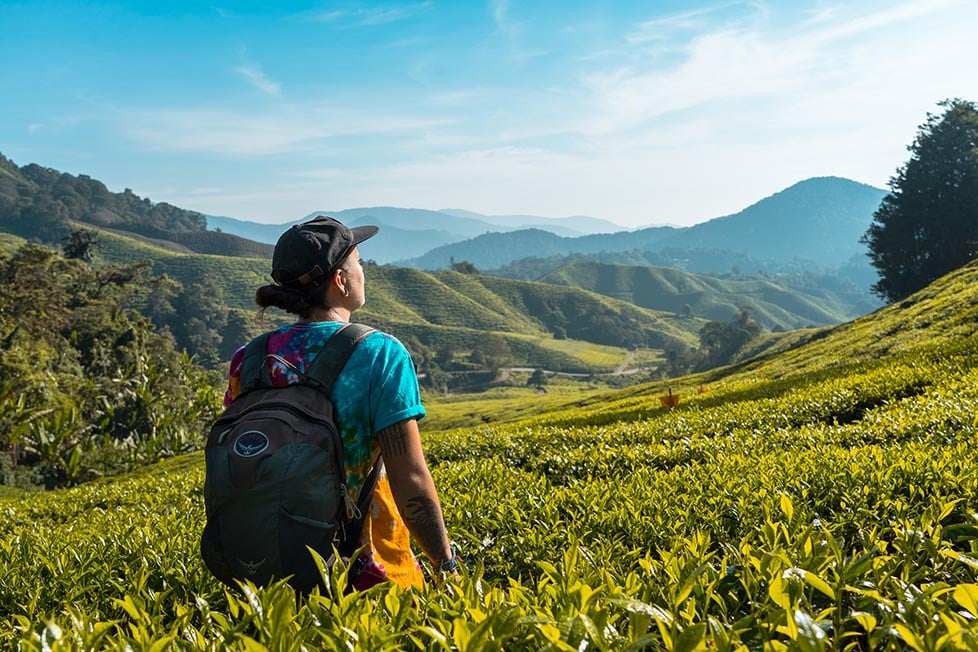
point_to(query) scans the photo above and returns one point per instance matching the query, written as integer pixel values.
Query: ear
(337, 282)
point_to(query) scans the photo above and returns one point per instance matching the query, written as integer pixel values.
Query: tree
(492, 352)
(721, 340)
(679, 358)
(927, 225)
(537, 379)
(80, 244)
(463, 267)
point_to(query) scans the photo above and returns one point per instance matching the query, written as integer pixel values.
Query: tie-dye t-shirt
(377, 388)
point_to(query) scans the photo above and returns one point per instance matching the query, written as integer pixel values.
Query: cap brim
(361, 233)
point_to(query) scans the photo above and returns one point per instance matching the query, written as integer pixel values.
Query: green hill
(445, 309)
(43, 203)
(36, 201)
(492, 250)
(820, 497)
(673, 290)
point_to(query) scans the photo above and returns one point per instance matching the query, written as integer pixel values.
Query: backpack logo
(251, 443)
(252, 566)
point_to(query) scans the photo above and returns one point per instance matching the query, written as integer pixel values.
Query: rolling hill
(493, 250)
(41, 202)
(669, 289)
(446, 310)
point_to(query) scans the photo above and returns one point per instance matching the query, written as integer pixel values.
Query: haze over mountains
(406, 231)
(817, 222)
(794, 257)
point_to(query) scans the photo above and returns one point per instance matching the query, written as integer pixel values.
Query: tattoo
(425, 520)
(393, 440)
(423, 513)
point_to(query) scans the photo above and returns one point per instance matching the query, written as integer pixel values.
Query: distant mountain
(494, 250)
(818, 220)
(403, 231)
(267, 233)
(415, 219)
(572, 226)
(410, 232)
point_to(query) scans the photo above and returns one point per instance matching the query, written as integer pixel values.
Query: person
(319, 278)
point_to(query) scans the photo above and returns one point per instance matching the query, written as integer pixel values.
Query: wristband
(451, 564)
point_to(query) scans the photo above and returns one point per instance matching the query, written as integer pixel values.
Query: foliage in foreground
(87, 386)
(835, 511)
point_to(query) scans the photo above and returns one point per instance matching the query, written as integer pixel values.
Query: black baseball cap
(307, 252)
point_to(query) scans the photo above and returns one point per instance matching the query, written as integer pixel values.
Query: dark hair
(289, 299)
(293, 300)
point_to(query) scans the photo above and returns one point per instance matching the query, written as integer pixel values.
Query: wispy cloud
(666, 27)
(259, 80)
(741, 60)
(512, 32)
(500, 14)
(366, 16)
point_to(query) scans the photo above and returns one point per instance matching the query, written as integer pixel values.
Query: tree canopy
(927, 225)
(40, 203)
(88, 386)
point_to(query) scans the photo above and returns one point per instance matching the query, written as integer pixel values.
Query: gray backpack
(275, 481)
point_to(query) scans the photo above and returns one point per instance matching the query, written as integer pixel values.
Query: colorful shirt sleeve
(394, 396)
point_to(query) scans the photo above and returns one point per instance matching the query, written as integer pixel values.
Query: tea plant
(826, 506)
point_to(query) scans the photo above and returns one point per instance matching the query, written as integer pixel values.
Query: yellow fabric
(390, 540)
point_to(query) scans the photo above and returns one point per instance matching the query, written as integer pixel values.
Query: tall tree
(719, 340)
(927, 225)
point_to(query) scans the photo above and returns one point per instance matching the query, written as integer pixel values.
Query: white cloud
(259, 80)
(741, 107)
(762, 68)
(500, 11)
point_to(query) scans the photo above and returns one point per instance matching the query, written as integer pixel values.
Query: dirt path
(629, 356)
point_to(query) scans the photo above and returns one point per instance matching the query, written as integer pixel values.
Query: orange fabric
(390, 541)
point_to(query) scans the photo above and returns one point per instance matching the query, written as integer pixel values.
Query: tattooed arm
(414, 490)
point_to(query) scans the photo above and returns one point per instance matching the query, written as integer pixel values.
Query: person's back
(376, 398)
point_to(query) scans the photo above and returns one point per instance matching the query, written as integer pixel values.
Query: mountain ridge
(820, 219)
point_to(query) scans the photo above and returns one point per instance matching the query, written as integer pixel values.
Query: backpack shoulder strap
(329, 362)
(252, 367)
(353, 530)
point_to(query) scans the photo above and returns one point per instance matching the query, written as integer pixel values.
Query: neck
(328, 314)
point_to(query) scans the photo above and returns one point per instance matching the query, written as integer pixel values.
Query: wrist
(451, 564)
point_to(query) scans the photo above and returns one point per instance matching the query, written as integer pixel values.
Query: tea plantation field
(823, 498)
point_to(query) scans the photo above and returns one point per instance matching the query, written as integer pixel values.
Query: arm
(414, 490)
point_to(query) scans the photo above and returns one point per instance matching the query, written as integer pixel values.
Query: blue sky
(637, 112)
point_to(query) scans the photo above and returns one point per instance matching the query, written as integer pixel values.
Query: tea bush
(837, 510)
